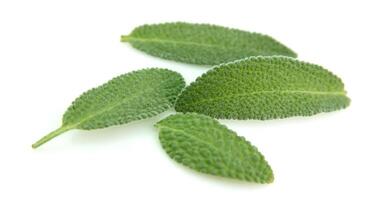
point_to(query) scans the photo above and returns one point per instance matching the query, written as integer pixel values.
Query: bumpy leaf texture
(264, 88)
(129, 97)
(203, 144)
(202, 43)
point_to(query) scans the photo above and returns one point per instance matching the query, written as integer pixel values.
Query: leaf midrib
(159, 40)
(108, 108)
(221, 151)
(342, 93)
(191, 136)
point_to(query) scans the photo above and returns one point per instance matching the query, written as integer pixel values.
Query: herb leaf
(202, 43)
(264, 88)
(205, 145)
(129, 97)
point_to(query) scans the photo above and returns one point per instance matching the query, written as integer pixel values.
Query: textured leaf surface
(132, 96)
(264, 88)
(203, 144)
(202, 43)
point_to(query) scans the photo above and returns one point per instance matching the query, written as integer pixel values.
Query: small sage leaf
(136, 95)
(264, 88)
(202, 43)
(203, 144)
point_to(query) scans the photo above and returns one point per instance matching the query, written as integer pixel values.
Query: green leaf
(202, 43)
(264, 88)
(201, 143)
(136, 95)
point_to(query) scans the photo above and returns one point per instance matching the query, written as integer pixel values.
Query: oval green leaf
(264, 88)
(203, 144)
(136, 95)
(202, 43)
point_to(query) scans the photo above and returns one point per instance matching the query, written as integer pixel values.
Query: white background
(52, 51)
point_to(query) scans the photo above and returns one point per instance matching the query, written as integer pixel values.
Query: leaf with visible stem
(202, 44)
(136, 95)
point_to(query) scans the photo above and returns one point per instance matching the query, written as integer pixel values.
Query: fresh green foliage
(203, 144)
(202, 43)
(264, 88)
(132, 96)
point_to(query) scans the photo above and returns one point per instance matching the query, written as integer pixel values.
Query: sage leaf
(136, 95)
(202, 44)
(203, 144)
(264, 88)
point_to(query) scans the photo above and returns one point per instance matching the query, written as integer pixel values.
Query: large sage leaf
(203, 144)
(202, 43)
(264, 88)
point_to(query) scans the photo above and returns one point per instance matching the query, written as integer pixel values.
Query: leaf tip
(270, 179)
